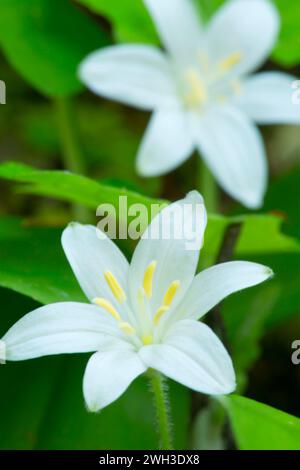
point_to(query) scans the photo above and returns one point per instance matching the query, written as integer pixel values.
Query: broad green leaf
(33, 263)
(283, 196)
(45, 40)
(287, 51)
(130, 19)
(260, 427)
(72, 188)
(259, 233)
(44, 406)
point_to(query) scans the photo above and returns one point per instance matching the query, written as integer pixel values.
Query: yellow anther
(127, 328)
(108, 307)
(115, 286)
(230, 61)
(147, 339)
(148, 279)
(197, 93)
(170, 294)
(160, 312)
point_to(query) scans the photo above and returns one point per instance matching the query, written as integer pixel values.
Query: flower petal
(211, 286)
(132, 74)
(233, 149)
(179, 26)
(67, 327)
(246, 27)
(267, 99)
(166, 144)
(176, 250)
(91, 253)
(109, 374)
(193, 355)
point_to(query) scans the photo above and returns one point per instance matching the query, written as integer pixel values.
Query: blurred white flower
(143, 315)
(201, 92)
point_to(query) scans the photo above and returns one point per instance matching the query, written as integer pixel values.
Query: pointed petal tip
(195, 195)
(269, 272)
(253, 200)
(92, 407)
(145, 171)
(68, 229)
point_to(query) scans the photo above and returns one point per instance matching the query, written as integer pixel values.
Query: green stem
(161, 399)
(70, 146)
(208, 188)
(71, 151)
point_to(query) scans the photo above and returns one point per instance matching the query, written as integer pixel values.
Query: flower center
(196, 91)
(206, 81)
(142, 326)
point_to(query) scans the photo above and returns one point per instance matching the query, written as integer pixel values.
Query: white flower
(143, 315)
(201, 92)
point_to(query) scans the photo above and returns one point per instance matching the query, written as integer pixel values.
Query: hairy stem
(161, 400)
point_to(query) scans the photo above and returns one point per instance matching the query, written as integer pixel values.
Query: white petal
(192, 355)
(248, 27)
(108, 375)
(90, 256)
(179, 26)
(211, 286)
(233, 149)
(166, 144)
(176, 250)
(132, 74)
(60, 328)
(267, 99)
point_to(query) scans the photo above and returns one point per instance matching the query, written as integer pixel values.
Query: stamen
(170, 294)
(148, 279)
(127, 328)
(108, 307)
(197, 93)
(160, 312)
(147, 340)
(115, 287)
(230, 61)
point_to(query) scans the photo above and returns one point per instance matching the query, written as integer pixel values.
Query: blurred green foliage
(45, 48)
(43, 41)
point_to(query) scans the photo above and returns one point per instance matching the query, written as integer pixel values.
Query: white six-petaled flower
(142, 315)
(201, 92)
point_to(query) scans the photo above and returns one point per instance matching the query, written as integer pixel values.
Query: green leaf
(130, 19)
(260, 427)
(260, 234)
(72, 188)
(33, 263)
(288, 206)
(45, 40)
(287, 51)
